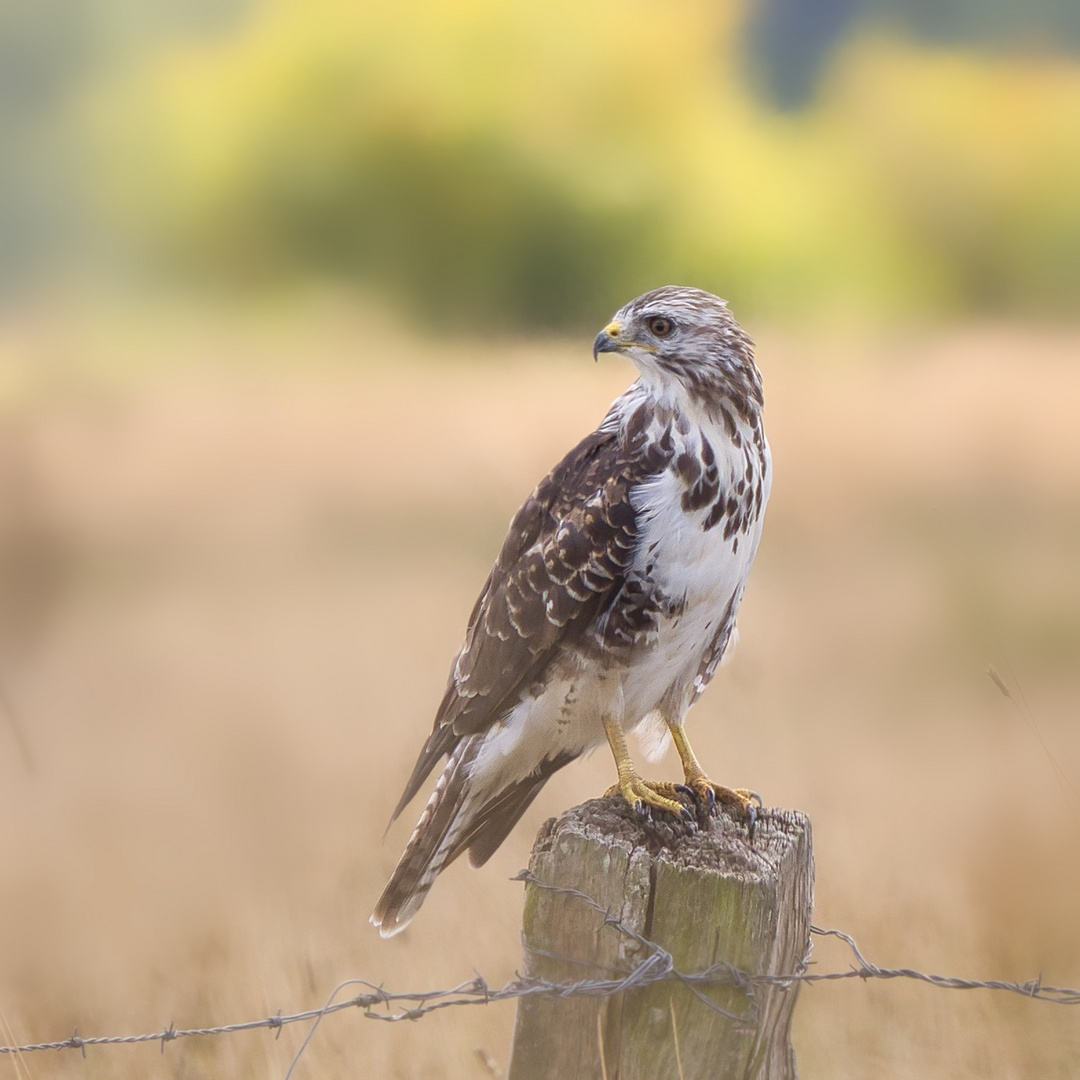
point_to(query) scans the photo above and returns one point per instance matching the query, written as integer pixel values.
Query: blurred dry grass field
(232, 584)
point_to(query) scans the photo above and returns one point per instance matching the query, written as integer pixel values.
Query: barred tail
(434, 841)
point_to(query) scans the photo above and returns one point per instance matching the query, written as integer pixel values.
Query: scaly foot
(705, 792)
(637, 792)
(640, 793)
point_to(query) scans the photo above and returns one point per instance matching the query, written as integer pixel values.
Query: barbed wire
(378, 1003)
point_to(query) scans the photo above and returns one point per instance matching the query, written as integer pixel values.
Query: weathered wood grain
(702, 893)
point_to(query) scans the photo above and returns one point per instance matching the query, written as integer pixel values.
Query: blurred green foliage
(502, 163)
(462, 231)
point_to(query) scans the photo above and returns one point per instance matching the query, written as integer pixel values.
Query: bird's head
(685, 341)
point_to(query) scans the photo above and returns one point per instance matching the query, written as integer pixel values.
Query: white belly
(688, 562)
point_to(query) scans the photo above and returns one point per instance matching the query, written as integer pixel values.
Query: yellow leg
(703, 787)
(631, 786)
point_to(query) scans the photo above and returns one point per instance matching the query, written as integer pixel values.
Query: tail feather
(433, 842)
(441, 741)
(456, 819)
(492, 824)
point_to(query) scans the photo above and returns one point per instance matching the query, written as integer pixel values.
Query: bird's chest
(699, 522)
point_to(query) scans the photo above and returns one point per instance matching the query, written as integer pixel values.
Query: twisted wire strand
(377, 1003)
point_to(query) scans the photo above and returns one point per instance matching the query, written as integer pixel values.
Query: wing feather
(565, 558)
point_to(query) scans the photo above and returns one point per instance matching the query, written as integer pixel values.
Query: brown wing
(564, 560)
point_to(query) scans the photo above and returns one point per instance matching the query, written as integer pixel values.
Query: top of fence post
(608, 891)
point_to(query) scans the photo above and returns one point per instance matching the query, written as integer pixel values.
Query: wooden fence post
(704, 895)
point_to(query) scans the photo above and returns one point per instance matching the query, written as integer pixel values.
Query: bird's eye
(660, 326)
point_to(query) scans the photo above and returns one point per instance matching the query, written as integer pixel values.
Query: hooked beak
(607, 340)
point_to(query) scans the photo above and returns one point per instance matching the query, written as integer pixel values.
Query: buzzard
(613, 598)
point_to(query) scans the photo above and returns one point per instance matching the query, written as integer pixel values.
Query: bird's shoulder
(579, 526)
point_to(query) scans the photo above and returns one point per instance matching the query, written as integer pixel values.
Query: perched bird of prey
(613, 598)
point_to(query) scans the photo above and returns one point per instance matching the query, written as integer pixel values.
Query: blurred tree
(517, 164)
(791, 42)
(980, 163)
(460, 231)
(44, 52)
(514, 167)
(50, 52)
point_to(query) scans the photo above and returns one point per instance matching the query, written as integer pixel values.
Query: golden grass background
(235, 574)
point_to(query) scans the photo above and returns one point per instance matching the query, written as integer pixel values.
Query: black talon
(638, 808)
(688, 816)
(711, 798)
(754, 795)
(751, 813)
